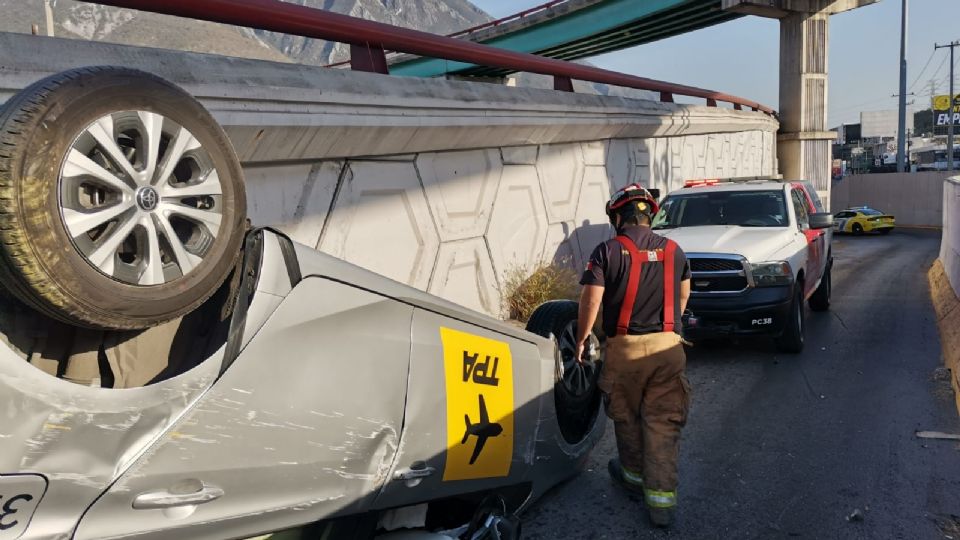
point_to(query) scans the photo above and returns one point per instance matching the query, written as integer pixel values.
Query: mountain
(436, 16)
(80, 20)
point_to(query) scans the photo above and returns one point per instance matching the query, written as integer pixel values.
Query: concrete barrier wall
(916, 199)
(950, 245)
(442, 185)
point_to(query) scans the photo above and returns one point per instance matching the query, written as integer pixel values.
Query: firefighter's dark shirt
(609, 267)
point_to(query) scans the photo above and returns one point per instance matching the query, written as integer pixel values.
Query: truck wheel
(576, 395)
(791, 341)
(121, 200)
(820, 301)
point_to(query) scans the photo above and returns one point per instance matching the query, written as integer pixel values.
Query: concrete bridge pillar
(803, 142)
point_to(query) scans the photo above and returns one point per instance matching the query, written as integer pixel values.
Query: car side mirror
(821, 221)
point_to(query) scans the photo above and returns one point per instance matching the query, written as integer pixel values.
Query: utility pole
(902, 130)
(952, 45)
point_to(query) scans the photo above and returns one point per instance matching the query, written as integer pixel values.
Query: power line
(925, 66)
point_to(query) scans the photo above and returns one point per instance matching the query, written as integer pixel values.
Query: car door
(303, 426)
(62, 444)
(813, 269)
(472, 412)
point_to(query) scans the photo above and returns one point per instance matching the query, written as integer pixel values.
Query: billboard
(941, 110)
(881, 124)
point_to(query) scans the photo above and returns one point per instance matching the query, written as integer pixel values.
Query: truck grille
(715, 265)
(717, 275)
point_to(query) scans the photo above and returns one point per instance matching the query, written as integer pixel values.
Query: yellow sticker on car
(479, 381)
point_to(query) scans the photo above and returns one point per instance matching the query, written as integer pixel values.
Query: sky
(741, 57)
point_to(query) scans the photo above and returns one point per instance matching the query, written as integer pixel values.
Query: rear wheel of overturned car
(792, 339)
(820, 301)
(576, 395)
(123, 203)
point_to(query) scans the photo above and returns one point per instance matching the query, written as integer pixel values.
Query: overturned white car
(232, 383)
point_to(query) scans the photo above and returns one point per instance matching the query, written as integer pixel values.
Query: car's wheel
(857, 229)
(123, 203)
(885, 231)
(792, 339)
(820, 301)
(576, 395)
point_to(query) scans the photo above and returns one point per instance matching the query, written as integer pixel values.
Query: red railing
(368, 39)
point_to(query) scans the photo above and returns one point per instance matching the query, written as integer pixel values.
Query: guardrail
(369, 39)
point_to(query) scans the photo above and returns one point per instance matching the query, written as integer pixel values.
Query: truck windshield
(740, 208)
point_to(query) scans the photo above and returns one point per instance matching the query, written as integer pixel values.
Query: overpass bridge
(575, 29)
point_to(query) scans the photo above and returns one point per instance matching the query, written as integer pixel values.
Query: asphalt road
(788, 446)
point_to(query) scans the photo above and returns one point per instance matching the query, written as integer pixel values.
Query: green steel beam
(578, 25)
(624, 37)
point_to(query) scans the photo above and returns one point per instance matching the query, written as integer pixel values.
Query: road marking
(479, 384)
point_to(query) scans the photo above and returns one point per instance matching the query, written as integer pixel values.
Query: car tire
(123, 203)
(820, 301)
(792, 339)
(857, 229)
(885, 231)
(576, 395)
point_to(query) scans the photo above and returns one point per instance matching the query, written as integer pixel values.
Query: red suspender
(633, 282)
(669, 295)
(637, 258)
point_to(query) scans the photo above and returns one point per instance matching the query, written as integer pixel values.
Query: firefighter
(642, 280)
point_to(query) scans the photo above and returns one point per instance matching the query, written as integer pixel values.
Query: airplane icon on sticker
(482, 430)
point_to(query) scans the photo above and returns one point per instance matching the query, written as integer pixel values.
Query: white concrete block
(518, 226)
(460, 189)
(593, 226)
(519, 155)
(292, 198)
(381, 221)
(560, 167)
(594, 152)
(465, 275)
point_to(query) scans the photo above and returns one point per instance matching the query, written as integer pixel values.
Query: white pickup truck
(757, 249)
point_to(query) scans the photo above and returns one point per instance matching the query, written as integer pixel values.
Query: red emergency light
(701, 183)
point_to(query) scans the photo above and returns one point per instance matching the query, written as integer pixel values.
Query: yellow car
(863, 219)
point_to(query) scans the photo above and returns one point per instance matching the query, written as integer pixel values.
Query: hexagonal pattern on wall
(381, 221)
(460, 188)
(560, 167)
(592, 224)
(465, 275)
(292, 198)
(518, 225)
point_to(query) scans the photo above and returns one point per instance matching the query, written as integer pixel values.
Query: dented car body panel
(340, 392)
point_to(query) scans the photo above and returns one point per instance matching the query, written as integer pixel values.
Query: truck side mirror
(821, 221)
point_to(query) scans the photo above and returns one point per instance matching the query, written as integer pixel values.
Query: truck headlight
(771, 274)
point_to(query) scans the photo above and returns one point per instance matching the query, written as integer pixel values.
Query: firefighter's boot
(661, 517)
(628, 480)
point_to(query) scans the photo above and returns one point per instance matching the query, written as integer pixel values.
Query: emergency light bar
(735, 180)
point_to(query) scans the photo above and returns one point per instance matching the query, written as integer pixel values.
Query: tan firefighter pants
(647, 396)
